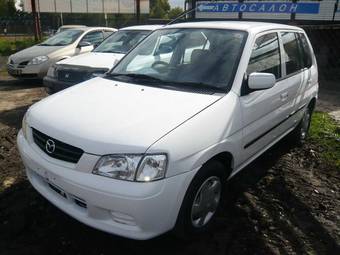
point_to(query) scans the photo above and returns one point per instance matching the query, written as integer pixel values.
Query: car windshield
(63, 38)
(185, 58)
(122, 41)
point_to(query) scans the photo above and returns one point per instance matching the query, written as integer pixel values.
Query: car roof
(93, 28)
(143, 27)
(235, 25)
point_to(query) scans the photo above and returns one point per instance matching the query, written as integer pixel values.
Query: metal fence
(24, 25)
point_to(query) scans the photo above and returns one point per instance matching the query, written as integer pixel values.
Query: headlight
(38, 60)
(121, 167)
(24, 127)
(152, 168)
(51, 71)
(132, 167)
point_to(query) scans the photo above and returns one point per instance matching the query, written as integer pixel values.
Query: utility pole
(138, 11)
(37, 31)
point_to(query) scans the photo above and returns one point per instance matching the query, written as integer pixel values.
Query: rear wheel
(300, 133)
(201, 201)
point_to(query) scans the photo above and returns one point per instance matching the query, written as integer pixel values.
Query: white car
(34, 62)
(138, 153)
(71, 71)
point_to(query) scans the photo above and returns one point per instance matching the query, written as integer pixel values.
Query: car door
(296, 77)
(264, 111)
(308, 68)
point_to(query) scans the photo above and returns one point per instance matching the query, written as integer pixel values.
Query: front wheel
(201, 201)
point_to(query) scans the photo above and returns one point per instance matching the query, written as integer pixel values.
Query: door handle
(284, 96)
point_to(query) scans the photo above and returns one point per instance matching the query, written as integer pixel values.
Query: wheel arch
(226, 158)
(312, 104)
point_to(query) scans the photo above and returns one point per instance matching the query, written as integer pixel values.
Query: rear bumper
(53, 85)
(129, 209)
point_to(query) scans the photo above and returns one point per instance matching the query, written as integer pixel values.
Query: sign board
(268, 9)
(87, 6)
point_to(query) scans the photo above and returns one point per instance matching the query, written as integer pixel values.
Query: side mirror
(84, 44)
(163, 49)
(260, 81)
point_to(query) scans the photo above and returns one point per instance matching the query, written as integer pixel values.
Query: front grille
(76, 74)
(23, 64)
(55, 148)
(72, 76)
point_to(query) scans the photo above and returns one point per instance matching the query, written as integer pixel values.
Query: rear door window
(305, 50)
(265, 57)
(292, 54)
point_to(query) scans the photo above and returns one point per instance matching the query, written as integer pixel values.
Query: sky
(177, 3)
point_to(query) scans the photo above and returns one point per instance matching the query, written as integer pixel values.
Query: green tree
(159, 9)
(7, 8)
(175, 12)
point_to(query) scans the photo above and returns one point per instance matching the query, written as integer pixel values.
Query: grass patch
(326, 133)
(9, 46)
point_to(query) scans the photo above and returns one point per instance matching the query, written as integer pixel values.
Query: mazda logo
(50, 146)
(67, 75)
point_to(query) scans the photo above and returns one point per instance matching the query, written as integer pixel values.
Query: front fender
(214, 130)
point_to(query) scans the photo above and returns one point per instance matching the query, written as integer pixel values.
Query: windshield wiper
(110, 51)
(143, 77)
(57, 44)
(201, 86)
(198, 86)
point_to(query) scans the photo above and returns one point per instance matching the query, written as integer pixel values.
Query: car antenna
(181, 15)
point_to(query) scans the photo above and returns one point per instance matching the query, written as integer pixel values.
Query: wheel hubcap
(206, 202)
(305, 124)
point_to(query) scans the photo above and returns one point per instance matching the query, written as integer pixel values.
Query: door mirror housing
(163, 49)
(260, 81)
(84, 44)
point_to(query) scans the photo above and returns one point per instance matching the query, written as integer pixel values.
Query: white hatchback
(149, 147)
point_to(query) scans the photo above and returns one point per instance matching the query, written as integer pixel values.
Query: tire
(299, 135)
(205, 191)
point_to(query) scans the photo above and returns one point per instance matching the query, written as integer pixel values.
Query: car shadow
(12, 118)
(10, 85)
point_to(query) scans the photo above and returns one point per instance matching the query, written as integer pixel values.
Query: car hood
(34, 51)
(93, 59)
(102, 116)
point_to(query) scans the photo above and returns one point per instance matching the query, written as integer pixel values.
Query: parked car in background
(33, 62)
(66, 27)
(77, 69)
(149, 147)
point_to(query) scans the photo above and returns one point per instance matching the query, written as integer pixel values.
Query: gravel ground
(286, 202)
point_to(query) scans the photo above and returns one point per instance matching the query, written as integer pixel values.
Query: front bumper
(129, 209)
(28, 71)
(53, 85)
